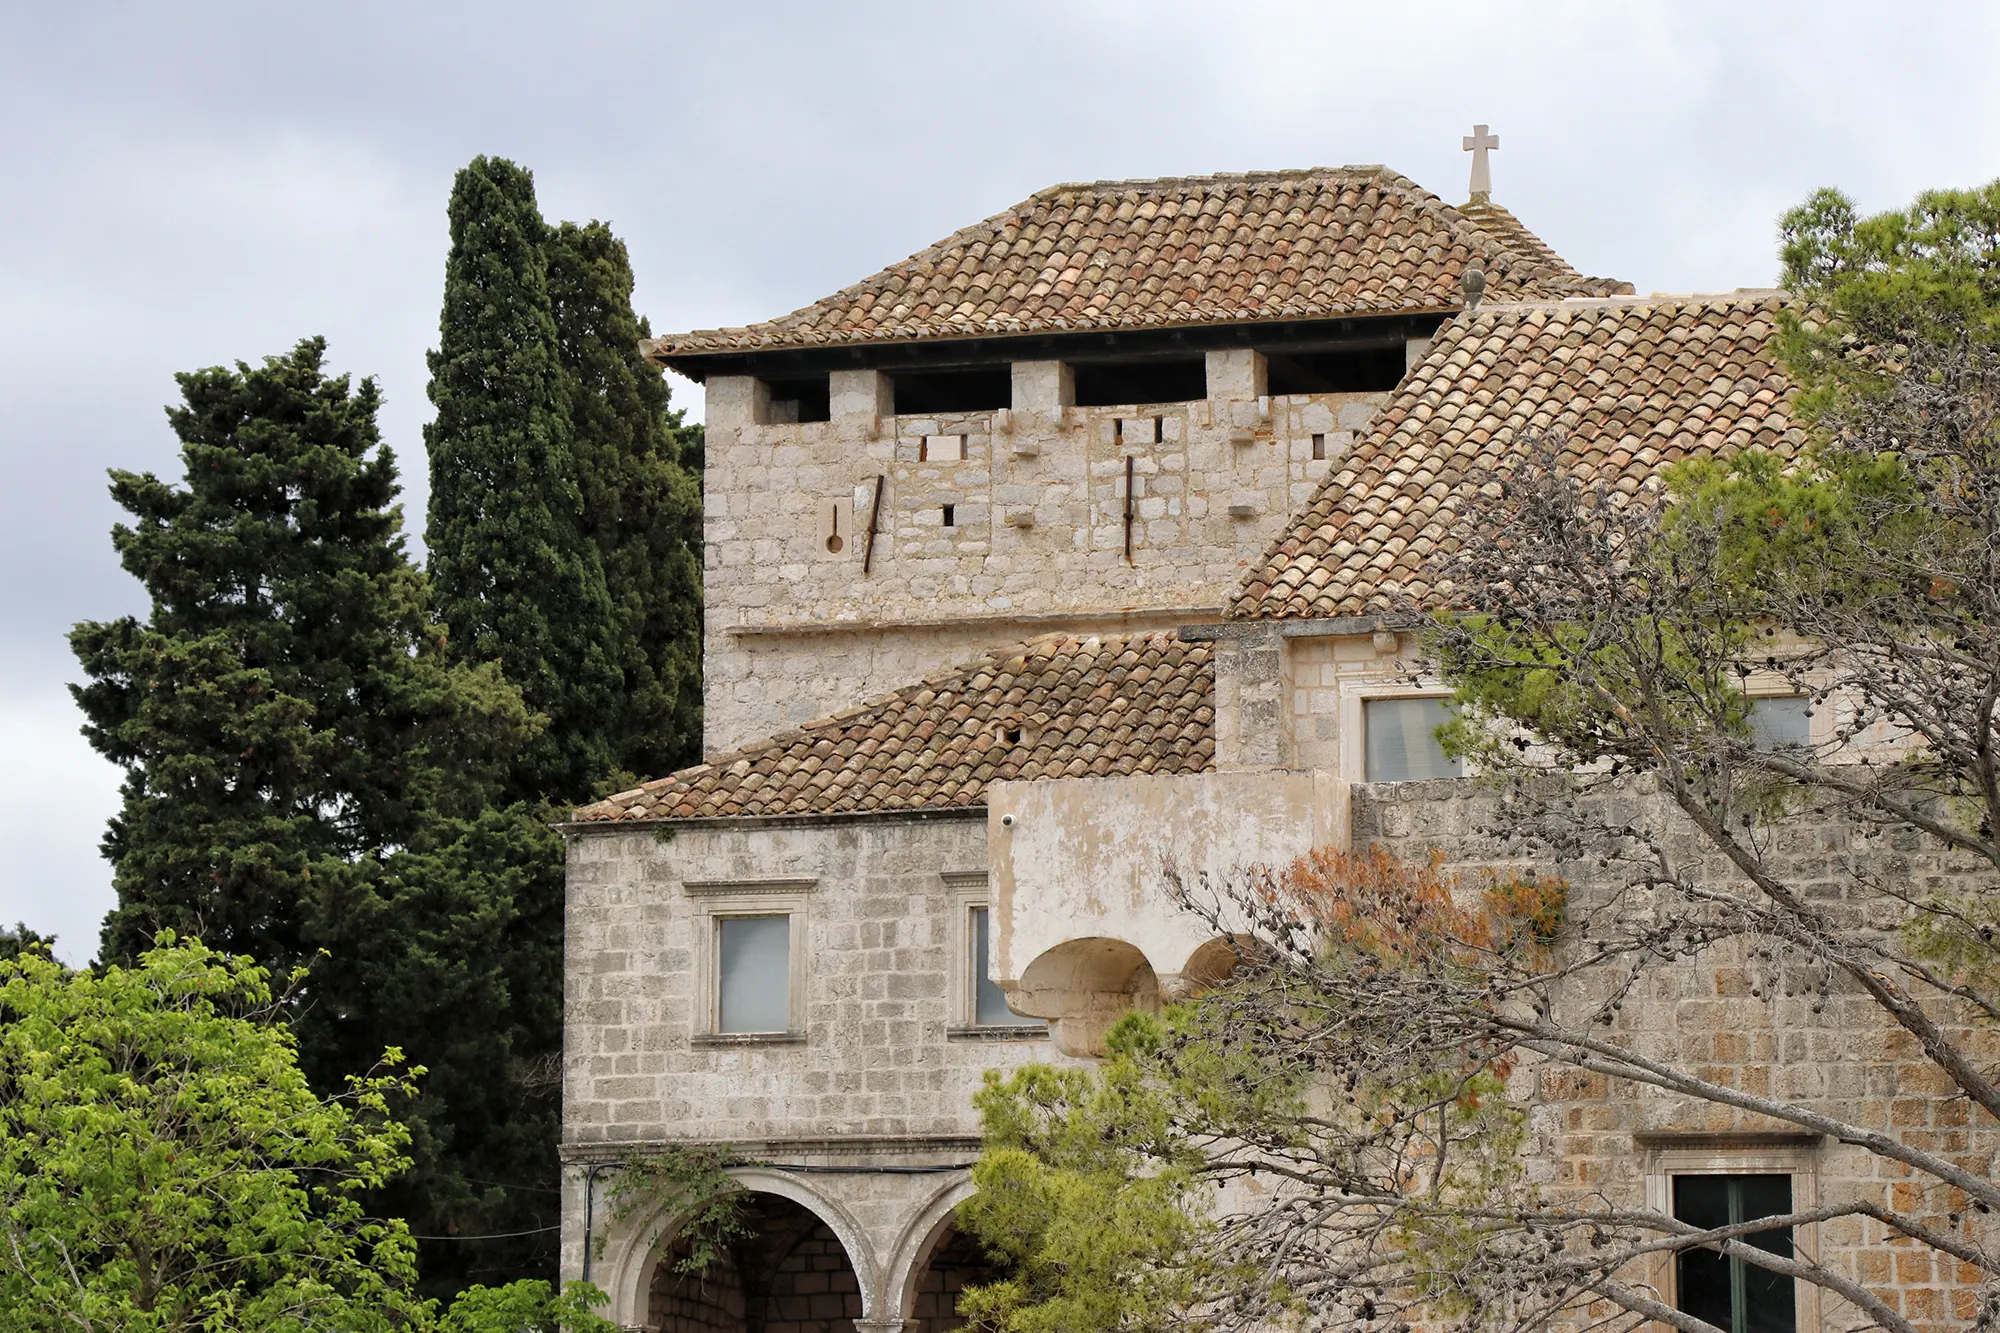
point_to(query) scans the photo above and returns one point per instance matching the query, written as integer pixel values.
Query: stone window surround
(1795, 1155)
(969, 889)
(715, 899)
(1353, 725)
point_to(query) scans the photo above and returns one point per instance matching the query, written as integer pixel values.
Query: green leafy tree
(165, 1165)
(518, 580)
(641, 504)
(527, 1306)
(1315, 1142)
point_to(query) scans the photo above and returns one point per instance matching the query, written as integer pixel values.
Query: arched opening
(1213, 964)
(956, 1262)
(790, 1274)
(1084, 986)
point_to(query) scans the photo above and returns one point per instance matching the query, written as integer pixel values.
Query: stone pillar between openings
(861, 397)
(729, 401)
(1237, 374)
(1043, 386)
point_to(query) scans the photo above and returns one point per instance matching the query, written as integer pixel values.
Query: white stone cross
(1477, 143)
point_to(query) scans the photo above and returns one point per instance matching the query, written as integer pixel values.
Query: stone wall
(1037, 533)
(880, 1052)
(1593, 1137)
(864, 1116)
(874, 1103)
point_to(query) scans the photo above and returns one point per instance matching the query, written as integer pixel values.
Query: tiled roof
(1278, 245)
(1083, 706)
(1631, 385)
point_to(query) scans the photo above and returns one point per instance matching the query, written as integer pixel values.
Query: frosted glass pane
(1402, 746)
(1780, 723)
(989, 1001)
(754, 961)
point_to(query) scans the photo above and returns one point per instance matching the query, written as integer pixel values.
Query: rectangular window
(989, 1002)
(753, 973)
(941, 449)
(1780, 722)
(1402, 744)
(1733, 1293)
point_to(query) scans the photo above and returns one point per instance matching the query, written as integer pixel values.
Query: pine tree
(517, 580)
(309, 781)
(642, 508)
(284, 713)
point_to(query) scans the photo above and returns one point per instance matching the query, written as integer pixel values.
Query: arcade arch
(789, 1274)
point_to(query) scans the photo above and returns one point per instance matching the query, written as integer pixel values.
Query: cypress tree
(641, 505)
(517, 580)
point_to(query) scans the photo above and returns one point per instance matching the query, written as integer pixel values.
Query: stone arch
(1209, 966)
(919, 1238)
(1082, 987)
(635, 1250)
(934, 1262)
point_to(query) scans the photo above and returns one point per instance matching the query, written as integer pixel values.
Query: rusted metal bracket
(874, 517)
(1128, 509)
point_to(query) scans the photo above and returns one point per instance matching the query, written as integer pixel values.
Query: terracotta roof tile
(1326, 242)
(1086, 705)
(1633, 385)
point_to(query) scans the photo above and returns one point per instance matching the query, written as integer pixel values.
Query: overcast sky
(193, 184)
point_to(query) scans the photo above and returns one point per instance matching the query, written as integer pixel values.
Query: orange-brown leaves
(1404, 913)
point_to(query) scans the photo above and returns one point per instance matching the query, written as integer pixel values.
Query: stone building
(1068, 541)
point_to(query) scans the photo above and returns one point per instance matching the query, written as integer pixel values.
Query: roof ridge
(1168, 182)
(1740, 296)
(1171, 251)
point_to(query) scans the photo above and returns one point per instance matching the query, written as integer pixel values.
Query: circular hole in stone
(836, 543)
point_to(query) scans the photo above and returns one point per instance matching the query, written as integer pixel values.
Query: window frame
(1792, 1155)
(717, 900)
(970, 891)
(1354, 699)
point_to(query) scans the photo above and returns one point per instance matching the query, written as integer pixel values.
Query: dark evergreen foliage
(310, 781)
(641, 505)
(284, 713)
(517, 580)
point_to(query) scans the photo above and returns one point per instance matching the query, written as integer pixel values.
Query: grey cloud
(187, 186)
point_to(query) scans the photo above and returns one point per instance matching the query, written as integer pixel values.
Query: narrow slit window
(989, 1002)
(1319, 448)
(1159, 430)
(1735, 1293)
(950, 516)
(753, 973)
(1402, 743)
(1781, 722)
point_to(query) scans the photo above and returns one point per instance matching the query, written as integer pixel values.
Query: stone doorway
(790, 1275)
(956, 1262)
